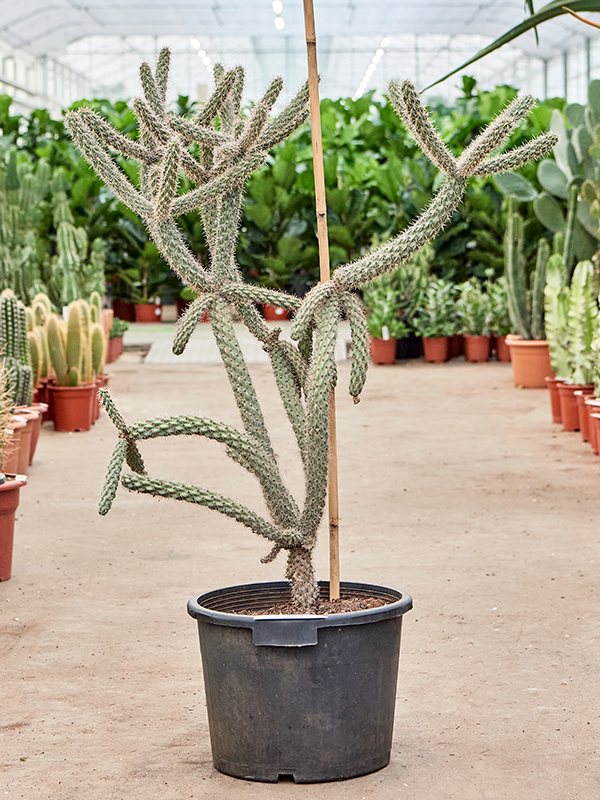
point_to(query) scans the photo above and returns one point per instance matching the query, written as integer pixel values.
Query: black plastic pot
(410, 346)
(306, 698)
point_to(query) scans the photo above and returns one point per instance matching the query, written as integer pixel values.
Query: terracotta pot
(435, 349)
(9, 501)
(595, 431)
(592, 406)
(101, 380)
(124, 310)
(39, 409)
(477, 348)
(107, 320)
(456, 346)
(383, 351)
(584, 423)
(10, 456)
(32, 433)
(113, 351)
(502, 351)
(530, 361)
(274, 313)
(147, 312)
(73, 406)
(44, 393)
(552, 384)
(568, 404)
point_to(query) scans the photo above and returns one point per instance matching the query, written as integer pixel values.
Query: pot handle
(277, 631)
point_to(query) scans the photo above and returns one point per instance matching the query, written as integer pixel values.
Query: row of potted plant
(443, 311)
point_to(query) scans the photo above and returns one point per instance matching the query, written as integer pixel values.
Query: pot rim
(395, 609)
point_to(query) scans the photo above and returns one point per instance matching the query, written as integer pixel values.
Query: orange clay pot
(383, 351)
(9, 501)
(530, 361)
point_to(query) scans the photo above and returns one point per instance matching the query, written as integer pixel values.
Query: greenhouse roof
(106, 39)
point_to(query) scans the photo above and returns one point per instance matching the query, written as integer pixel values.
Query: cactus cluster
(37, 338)
(525, 295)
(72, 274)
(572, 321)
(14, 348)
(218, 149)
(76, 347)
(22, 190)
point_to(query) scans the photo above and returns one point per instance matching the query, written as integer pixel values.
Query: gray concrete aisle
(454, 486)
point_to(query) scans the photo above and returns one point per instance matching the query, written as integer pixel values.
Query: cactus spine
(305, 373)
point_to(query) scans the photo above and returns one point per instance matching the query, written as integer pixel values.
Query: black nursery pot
(302, 698)
(410, 346)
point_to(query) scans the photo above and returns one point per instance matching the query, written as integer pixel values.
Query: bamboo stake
(325, 272)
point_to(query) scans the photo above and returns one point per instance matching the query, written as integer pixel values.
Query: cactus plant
(72, 275)
(305, 372)
(22, 190)
(70, 345)
(525, 304)
(14, 348)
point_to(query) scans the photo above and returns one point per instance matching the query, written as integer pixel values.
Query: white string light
(195, 44)
(379, 53)
(277, 6)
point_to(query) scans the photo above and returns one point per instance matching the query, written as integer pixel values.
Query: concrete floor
(454, 486)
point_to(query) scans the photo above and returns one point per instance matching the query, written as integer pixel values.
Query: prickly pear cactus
(218, 158)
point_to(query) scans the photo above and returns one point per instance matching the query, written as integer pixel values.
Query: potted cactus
(285, 693)
(435, 320)
(75, 347)
(10, 484)
(571, 320)
(528, 347)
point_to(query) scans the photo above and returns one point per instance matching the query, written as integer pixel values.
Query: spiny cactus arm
(494, 134)
(172, 244)
(239, 377)
(190, 132)
(215, 102)
(204, 497)
(303, 322)
(212, 191)
(359, 335)
(113, 476)
(241, 448)
(161, 74)
(186, 324)
(133, 455)
(154, 127)
(116, 141)
(154, 96)
(169, 183)
(260, 294)
(409, 108)
(530, 151)
(423, 229)
(290, 389)
(105, 167)
(295, 113)
(297, 361)
(321, 379)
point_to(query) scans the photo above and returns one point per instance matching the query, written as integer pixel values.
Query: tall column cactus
(305, 371)
(14, 348)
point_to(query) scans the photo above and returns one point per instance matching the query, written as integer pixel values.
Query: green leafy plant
(305, 369)
(437, 316)
(383, 310)
(497, 292)
(473, 309)
(118, 328)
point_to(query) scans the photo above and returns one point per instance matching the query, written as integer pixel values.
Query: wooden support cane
(324, 269)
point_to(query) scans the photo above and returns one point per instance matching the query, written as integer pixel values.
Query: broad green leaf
(259, 214)
(511, 184)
